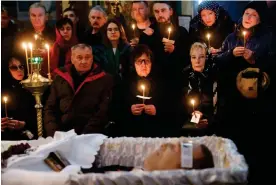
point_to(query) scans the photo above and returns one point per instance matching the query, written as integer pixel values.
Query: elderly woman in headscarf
(212, 19)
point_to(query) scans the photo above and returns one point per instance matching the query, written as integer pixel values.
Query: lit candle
(5, 98)
(26, 53)
(31, 48)
(169, 30)
(244, 34)
(48, 50)
(193, 103)
(35, 36)
(133, 27)
(208, 37)
(143, 89)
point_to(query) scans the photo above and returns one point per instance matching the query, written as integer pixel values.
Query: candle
(48, 50)
(133, 27)
(5, 98)
(31, 48)
(26, 53)
(208, 37)
(193, 103)
(143, 89)
(169, 30)
(244, 34)
(35, 36)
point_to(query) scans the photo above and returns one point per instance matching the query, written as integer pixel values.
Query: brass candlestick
(37, 84)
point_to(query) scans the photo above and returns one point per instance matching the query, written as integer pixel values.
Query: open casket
(230, 166)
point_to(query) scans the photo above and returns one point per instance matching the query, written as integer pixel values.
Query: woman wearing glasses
(142, 97)
(113, 54)
(19, 123)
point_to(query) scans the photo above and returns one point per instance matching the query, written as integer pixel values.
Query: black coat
(144, 125)
(200, 86)
(83, 108)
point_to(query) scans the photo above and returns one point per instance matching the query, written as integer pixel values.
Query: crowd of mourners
(143, 80)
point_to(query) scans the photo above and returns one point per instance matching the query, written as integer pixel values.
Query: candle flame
(192, 101)
(30, 45)
(133, 26)
(208, 36)
(244, 33)
(47, 46)
(143, 87)
(169, 29)
(35, 36)
(5, 98)
(24, 45)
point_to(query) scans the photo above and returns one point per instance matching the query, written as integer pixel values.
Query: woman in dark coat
(142, 98)
(244, 116)
(211, 19)
(113, 55)
(199, 95)
(20, 121)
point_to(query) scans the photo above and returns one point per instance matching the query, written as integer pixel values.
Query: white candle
(48, 51)
(31, 49)
(169, 30)
(193, 103)
(143, 89)
(133, 27)
(244, 34)
(5, 98)
(208, 37)
(26, 53)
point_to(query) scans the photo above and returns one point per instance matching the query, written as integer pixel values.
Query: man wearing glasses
(79, 97)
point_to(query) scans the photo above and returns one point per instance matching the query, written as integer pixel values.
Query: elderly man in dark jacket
(80, 95)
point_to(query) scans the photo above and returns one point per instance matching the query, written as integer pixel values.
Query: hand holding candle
(48, 52)
(244, 41)
(24, 45)
(5, 98)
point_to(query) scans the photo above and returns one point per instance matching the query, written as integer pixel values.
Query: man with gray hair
(97, 18)
(38, 17)
(79, 97)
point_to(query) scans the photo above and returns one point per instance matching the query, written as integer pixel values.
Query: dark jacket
(118, 64)
(92, 39)
(259, 41)
(218, 31)
(20, 106)
(84, 108)
(200, 86)
(168, 63)
(237, 109)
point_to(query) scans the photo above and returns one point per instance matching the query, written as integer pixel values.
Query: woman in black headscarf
(143, 99)
(20, 121)
(214, 20)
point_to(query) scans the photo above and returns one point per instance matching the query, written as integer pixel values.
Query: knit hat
(260, 7)
(209, 5)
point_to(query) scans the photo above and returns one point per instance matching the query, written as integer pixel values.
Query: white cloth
(79, 150)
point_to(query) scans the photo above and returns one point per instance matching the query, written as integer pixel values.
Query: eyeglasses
(112, 29)
(145, 61)
(15, 68)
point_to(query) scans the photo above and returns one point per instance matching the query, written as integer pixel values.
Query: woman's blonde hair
(198, 45)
